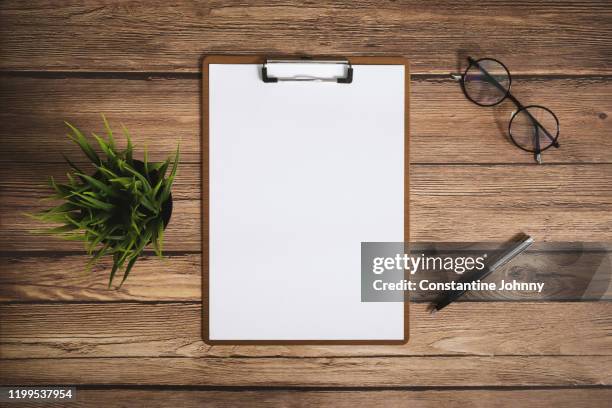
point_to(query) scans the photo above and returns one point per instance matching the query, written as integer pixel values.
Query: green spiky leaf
(109, 133)
(168, 183)
(128, 153)
(81, 140)
(128, 269)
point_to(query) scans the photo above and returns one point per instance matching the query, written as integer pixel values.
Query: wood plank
(314, 372)
(60, 277)
(19, 231)
(454, 398)
(161, 111)
(22, 187)
(158, 36)
(174, 330)
(27, 181)
(472, 203)
(568, 275)
(446, 128)
(448, 203)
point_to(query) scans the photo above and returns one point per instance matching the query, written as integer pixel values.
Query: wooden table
(139, 63)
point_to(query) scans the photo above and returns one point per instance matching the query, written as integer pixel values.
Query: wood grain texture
(448, 203)
(464, 371)
(163, 111)
(472, 203)
(174, 330)
(28, 181)
(160, 112)
(177, 277)
(568, 275)
(23, 186)
(19, 232)
(158, 36)
(454, 398)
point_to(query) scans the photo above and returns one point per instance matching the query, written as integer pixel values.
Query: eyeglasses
(533, 128)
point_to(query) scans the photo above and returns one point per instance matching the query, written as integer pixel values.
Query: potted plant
(119, 207)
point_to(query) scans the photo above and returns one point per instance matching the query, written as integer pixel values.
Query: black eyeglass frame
(517, 103)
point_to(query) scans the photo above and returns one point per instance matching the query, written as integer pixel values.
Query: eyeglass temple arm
(489, 76)
(536, 141)
(513, 99)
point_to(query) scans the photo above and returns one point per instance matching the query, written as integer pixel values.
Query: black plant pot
(166, 210)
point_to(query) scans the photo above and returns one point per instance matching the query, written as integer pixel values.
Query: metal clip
(347, 79)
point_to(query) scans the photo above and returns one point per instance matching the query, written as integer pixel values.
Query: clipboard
(230, 129)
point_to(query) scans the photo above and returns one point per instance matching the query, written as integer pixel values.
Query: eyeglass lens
(486, 82)
(534, 128)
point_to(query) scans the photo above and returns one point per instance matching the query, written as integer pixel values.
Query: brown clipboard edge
(260, 59)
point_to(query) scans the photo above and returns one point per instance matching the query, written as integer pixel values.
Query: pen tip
(433, 310)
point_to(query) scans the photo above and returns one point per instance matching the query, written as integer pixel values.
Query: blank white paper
(300, 174)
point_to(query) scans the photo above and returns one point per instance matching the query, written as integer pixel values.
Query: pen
(503, 259)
